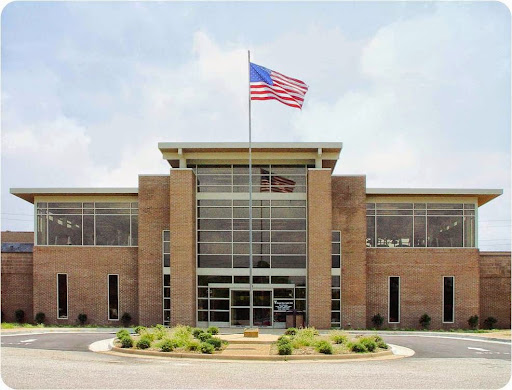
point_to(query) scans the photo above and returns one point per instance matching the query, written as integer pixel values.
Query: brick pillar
(183, 246)
(319, 248)
(153, 219)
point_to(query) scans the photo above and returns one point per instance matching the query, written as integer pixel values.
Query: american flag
(267, 84)
(272, 183)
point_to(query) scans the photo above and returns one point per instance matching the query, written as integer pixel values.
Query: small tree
(473, 322)
(126, 318)
(40, 317)
(20, 315)
(82, 318)
(489, 322)
(377, 320)
(425, 321)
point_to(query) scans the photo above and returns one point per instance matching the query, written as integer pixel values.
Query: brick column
(153, 219)
(319, 248)
(183, 246)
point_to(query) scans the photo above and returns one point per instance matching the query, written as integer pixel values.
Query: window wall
(87, 223)
(420, 225)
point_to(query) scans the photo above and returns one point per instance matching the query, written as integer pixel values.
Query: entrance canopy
(318, 154)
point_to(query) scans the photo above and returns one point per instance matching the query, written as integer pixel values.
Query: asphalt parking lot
(62, 360)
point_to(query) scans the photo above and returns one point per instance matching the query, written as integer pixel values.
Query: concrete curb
(217, 356)
(102, 345)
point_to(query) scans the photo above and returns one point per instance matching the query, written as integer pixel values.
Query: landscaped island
(178, 339)
(308, 341)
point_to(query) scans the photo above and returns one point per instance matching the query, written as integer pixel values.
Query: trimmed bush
(19, 315)
(380, 342)
(122, 333)
(159, 332)
(357, 347)
(284, 348)
(377, 320)
(144, 342)
(213, 330)
(338, 337)
(425, 321)
(204, 336)
(40, 317)
(369, 343)
(206, 348)
(290, 331)
(489, 322)
(284, 340)
(196, 332)
(126, 318)
(126, 341)
(140, 329)
(167, 345)
(305, 337)
(82, 318)
(324, 347)
(193, 345)
(216, 342)
(473, 322)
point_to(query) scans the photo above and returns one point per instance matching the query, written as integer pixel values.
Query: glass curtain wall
(420, 225)
(279, 244)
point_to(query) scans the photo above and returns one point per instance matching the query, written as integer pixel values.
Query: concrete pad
(239, 338)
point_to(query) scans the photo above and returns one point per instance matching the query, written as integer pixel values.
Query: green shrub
(159, 332)
(82, 318)
(40, 317)
(216, 342)
(290, 331)
(126, 341)
(379, 341)
(206, 348)
(204, 336)
(304, 338)
(338, 337)
(425, 321)
(121, 333)
(140, 329)
(196, 332)
(369, 343)
(193, 345)
(126, 318)
(357, 347)
(20, 315)
(213, 330)
(167, 345)
(324, 347)
(377, 320)
(489, 322)
(284, 340)
(307, 332)
(144, 342)
(473, 322)
(284, 348)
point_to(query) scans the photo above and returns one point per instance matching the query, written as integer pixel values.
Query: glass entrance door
(261, 308)
(240, 308)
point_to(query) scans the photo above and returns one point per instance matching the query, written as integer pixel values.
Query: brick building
(176, 250)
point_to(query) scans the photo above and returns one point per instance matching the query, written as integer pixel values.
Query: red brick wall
(153, 219)
(183, 246)
(349, 216)
(17, 285)
(8, 236)
(319, 248)
(421, 274)
(495, 287)
(87, 269)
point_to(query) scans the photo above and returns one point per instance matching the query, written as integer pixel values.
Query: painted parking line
(27, 341)
(479, 349)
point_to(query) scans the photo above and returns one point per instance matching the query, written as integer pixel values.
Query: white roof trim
(433, 191)
(254, 145)
(68, 191)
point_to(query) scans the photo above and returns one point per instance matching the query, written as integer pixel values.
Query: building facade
(176, 249)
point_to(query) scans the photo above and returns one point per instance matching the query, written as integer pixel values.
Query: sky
(419, 93)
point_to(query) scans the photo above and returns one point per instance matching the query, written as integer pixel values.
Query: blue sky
(418, 92)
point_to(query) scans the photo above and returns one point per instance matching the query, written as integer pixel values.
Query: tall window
(394, 299)
(448, 299)
(336, 249)
(336, 302)
(113, 297)
(62, 296)
(420, 225)
(88, 223)
(166, 263)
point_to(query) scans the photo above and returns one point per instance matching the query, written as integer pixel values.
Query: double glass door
(241, 307)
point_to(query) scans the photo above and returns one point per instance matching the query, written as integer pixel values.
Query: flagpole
(250, 197)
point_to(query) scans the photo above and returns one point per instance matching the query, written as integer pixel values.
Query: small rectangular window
(113, 297)
(448, 299)
(394, 299)
(62, 296)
